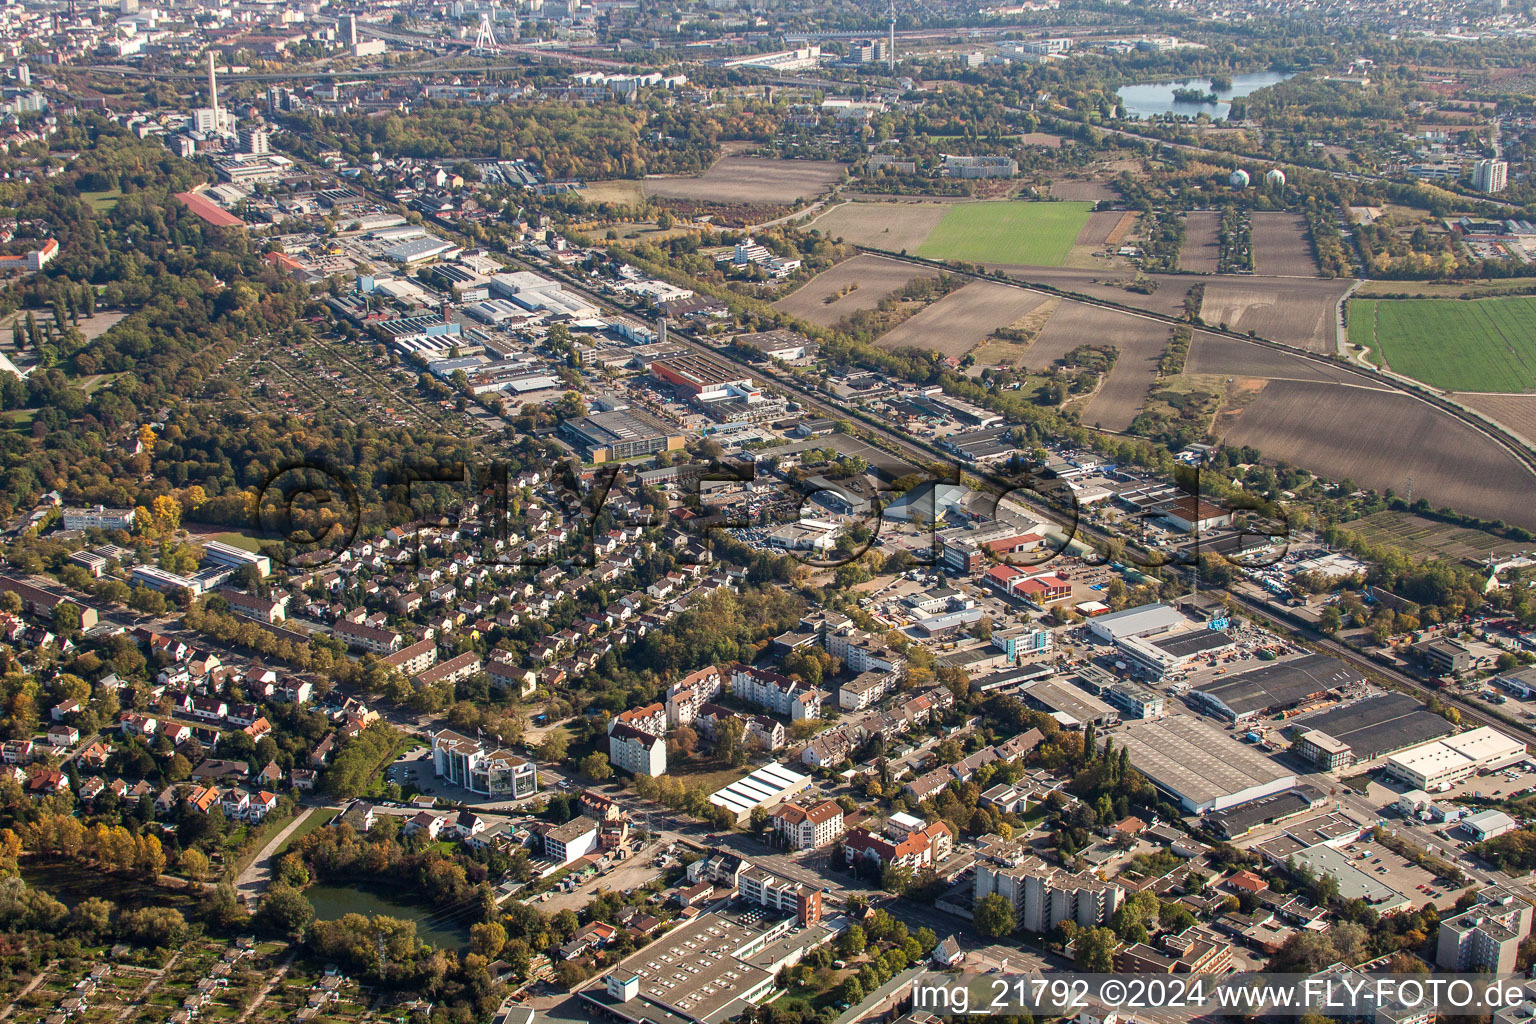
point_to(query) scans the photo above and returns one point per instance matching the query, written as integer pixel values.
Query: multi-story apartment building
(1486, 937)
(372, 639)
(777, 693)
(764, 733)
(915, 849)
(635, 751)
(98, 517)
(1043, 896)
(782, 894)
(455, 669)
(866, 689)
(688, 694)
(1490, 176)
(860, 652)
(576, 838)
(415, 659)
(809, 827)
(651, 719)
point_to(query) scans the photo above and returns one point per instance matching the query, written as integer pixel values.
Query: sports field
(1460, 345)
(1040, 234)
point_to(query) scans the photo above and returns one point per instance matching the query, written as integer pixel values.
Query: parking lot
(1409, 879)
(630, 874)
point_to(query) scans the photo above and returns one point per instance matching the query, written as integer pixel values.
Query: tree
(729, 744)
(193, 863)
(853, 941)
(284, 911)
(994, 916)
(92, 919)
(553, 746)
(156, 926)
(66, 618)
(683, 744)
(165, 512)
(595, 767)
(1096, 950)
(487, 939)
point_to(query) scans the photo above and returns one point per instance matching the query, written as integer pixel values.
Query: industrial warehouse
(1442, 763)
(1199, 766)
(1278, 687)
(1366, 729)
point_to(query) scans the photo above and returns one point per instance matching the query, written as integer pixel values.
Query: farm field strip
(894, 227)
(1082, 191)
(1459, 345)
(963, 319)
(871, 278)
(1227, 357)
(1007, 232)
(1202, 230)
(1140, 343)
(1281, 247)
(753, 180)
(1515, 412)
(1381, 439)
(1429, 538)
(1294, 311)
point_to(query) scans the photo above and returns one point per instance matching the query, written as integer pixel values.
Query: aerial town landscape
(704, 511)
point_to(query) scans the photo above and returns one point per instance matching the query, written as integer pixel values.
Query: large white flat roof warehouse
(1440, 762)
(1199, 765)
(1149, 618)
(769, 785)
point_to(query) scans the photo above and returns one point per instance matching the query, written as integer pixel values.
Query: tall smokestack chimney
(213, 94)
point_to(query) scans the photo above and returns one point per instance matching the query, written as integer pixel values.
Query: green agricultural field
(1456, 344)
(1039, 234)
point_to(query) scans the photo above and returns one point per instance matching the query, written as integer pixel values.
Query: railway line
(1506, 440)
(924, 453)
(1469, 710)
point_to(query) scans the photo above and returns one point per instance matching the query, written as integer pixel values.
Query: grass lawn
(318, 818)
(238, 540)
(102, 202)
(1040, 234)
(710, 773)
(1460, 345)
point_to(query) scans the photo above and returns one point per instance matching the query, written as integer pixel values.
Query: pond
(445, 929)
(1156, 98)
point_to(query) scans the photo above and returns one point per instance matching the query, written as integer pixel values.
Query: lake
(446, 931)
(1156, 98)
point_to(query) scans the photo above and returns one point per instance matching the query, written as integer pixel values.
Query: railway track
(1468, 709)
(1506, 440)
(923, 451)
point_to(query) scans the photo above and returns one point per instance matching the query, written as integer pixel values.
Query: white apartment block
(634, 751)
(651, 719)
(807, 828)
(777, 693)
(1043, 896)
(688, 694)
(860, 652)
(98, 517)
